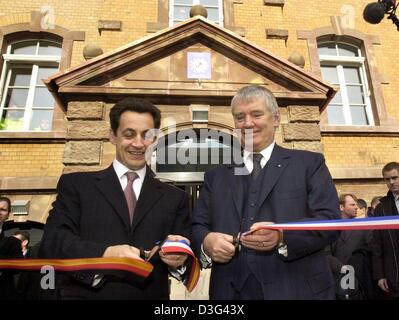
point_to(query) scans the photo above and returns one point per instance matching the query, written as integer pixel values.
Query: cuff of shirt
(205, 260)
(178, 273)
(97, 280)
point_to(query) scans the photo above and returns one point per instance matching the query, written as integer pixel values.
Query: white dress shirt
(206, 260)
(121, 171)
(396, 197)
(266, 153)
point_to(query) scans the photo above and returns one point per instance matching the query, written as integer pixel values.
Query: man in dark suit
(353, 248)
(10, 248)
(24, 237)
(5, 209)
(97, 214)
(283, 185)
(386, 243)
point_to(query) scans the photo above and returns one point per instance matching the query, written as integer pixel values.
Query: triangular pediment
(156, 67)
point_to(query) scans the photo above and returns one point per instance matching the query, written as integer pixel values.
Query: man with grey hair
(280, 185)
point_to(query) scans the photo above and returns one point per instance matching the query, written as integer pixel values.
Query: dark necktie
(129, 193)
(257, 157)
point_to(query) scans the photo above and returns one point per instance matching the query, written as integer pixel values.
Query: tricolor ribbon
(374, 223)
(138, 267)
(182, 246)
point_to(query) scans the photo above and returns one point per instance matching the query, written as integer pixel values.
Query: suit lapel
(151, 191)
(236, 182)
(109, 185)
(275, 167)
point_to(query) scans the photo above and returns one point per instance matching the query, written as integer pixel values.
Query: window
(179, 10)
(25, 102)
(343, 65)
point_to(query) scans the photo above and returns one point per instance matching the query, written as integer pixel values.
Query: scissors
(146, 255)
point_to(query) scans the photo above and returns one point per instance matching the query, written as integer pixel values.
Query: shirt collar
(121, 170)
(266, 153)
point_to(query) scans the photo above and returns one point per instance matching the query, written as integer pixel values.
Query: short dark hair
(375, 201)
(25, 234)
(134, 105)
(362, 204)
(390, 166)
(342, 198)
(5, 199)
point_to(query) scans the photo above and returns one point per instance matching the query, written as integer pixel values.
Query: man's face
(391, 178)
(4, 211)
(133, 137)
(349, 210)
(256, 123)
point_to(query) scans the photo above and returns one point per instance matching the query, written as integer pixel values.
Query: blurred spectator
(10, 248)
(352, 248)
(386, 249)
(24, 236)
(374, 203)
(5, 209)
(362, 208)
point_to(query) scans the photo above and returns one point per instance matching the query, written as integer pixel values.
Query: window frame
(173, 21)
(339, 62)
(14, 61)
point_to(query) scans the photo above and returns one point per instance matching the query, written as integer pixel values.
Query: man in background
(386, 261)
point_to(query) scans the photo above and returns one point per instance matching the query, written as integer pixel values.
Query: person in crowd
(352, 251)
(24, 237)
(122, 211)
(386, 256)
(374, 203)
(273, 185)
(10, 248)
(362, 208)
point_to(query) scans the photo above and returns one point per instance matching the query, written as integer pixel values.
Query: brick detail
(277, 34)
(87, 130)
(71, 169)
(309, 145)
(111, 25)
(82, 152)
(278, 3)
(301, 131)
(85, 110)
(303, 114)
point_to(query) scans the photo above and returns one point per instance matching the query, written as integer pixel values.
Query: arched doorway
(181, 158)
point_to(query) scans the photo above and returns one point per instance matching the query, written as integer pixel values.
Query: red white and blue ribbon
(137, 267)
(374, 223)
(182, 246)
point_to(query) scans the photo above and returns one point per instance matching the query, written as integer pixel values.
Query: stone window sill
(361, 130)
(33, 135)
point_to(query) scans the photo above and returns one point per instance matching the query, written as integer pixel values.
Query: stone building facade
(280, 44)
